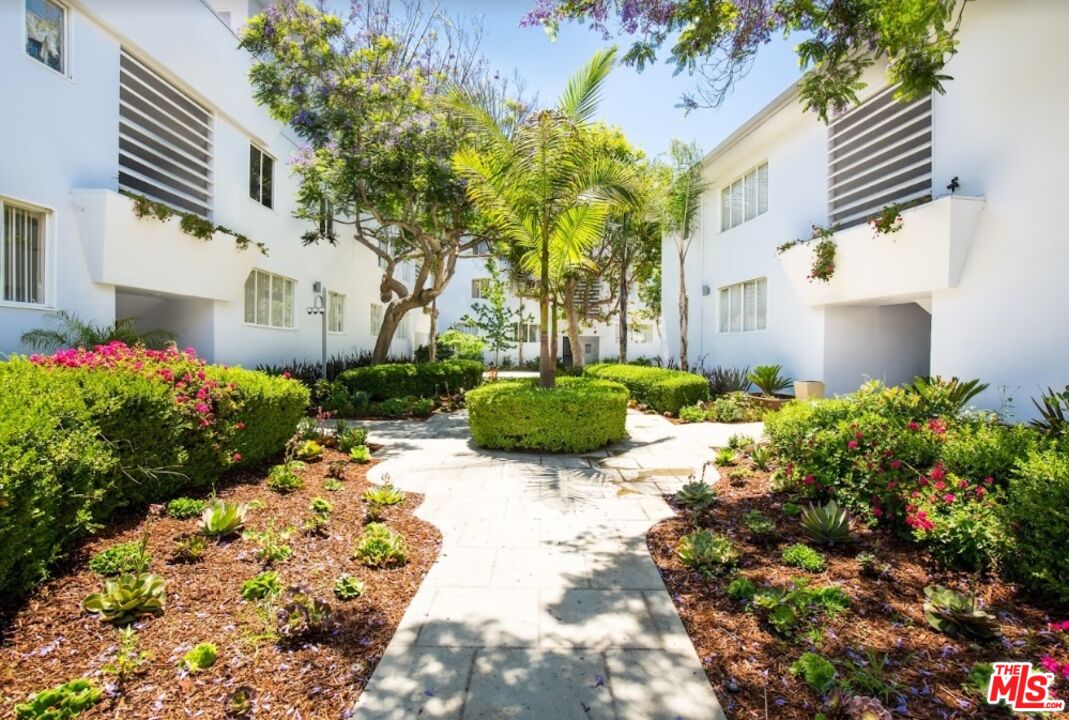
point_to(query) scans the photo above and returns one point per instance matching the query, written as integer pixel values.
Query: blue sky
(643, 104)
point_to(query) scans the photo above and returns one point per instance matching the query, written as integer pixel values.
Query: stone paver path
(544, 603)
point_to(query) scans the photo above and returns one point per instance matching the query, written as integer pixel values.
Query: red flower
(914, 426)
(808, 480)
(938, 472)
(896, 464)
(950, 497)
(940, 485)
(236, 457)
(240, 426)
(852, 444)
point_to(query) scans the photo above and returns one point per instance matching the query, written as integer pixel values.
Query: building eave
(788, 97)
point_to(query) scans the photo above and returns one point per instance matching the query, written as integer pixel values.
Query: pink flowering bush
(86, 432)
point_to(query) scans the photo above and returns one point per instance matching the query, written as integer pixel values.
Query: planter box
(808, 389)
(771, 404)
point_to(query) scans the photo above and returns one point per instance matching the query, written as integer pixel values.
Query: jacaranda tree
(364, 95)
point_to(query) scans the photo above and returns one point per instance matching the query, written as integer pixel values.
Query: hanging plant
(823, 260)
(889, 219)
(190, 224)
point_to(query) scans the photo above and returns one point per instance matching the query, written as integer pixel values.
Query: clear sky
(643, 104)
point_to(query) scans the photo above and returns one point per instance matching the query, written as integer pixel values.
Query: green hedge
(1037, 510)
(661, 389)
(398, 380)
(575, 416)
(78, 443)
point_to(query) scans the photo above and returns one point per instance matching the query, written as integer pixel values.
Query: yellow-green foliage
(661, 389)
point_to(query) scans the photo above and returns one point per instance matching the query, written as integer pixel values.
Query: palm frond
(583, 92)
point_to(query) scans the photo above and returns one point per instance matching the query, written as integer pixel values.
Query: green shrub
(120, 558)
(1037, 513)
(85, 434)
(734, 407)
(661, 389)
(184, 508)
(61, 702)
(979, 450)
(422, 380)
(692, 413)
(463, 346)
(397, 407)
(334, 397)
(575, 416)
(803, 556)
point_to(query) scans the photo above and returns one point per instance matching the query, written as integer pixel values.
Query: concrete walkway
(544, 603)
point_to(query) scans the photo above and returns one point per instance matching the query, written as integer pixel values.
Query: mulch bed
(50, 639)
(749, 664)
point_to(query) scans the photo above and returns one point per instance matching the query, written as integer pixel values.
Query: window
(404, 327)
(744, 306)
(879, 153)
(46, 33)
(165, 140)
(745, 198)
(335, 312)
(528, 332)
(479, 287)
(269, 300)
(376, 318)
(22, 255)
(641, 334)
(261, 176)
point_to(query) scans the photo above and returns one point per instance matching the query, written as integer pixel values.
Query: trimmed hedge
(80, 439)
(575, 416)
(398, 380)
(1037, 511)
(663, 390)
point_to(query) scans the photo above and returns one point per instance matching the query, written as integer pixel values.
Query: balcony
(145, 254)
(926, 255)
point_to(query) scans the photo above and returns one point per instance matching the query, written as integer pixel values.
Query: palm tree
(70, 331)
(541, 185)
(680, 216)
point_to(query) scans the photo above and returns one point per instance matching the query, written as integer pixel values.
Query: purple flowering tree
(363, 94)
(716, 40)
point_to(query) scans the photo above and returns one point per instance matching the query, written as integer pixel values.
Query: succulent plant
(189, 547)
(240, 704)
(128, 597)
(360, 454)
(760, 525)
(761, 457)
(284, 478)
(350, 437)
(696, 495)
(336, 469)
(866, 708)
(302, 615)
(223, 519)
(200, 658)
(724, 457)
(707, 552)
(953, 613)
(333, 485)
(738, 442)
(380, 546)
(310, 451)
(384, 495)
(264, 585)
(61, 702)
(828, 523)
(347, 587)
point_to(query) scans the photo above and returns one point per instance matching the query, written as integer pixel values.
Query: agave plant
(828, 524)
(953, 613)
(1053, 413)
(761, 456)
(127, 598)
(769, 379)
(223, 519)
(939, 396)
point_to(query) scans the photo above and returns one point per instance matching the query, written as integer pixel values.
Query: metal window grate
(165, 140)
(22, 255)
(878, 153)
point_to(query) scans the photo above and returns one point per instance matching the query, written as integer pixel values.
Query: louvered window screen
(878, 154)
(165, 140)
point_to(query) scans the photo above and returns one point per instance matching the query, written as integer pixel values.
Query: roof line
(785, 98)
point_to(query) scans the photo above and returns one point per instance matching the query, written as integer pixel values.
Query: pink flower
(1060, 627)
(240, 426)
(891, 485)
(808, 480)
(988, 480)
(938, 472)
(236, 457)
(852, 444)
(980, 492)
(896, 464)
(950, 497)
(203, 408)
(922, 481)
(1049, 664)
(940, 485)
(937, 426)
(877, 512)
(914, 426)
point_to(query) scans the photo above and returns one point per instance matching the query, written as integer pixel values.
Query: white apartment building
(973, 285)
(600, 341)
(153, 98)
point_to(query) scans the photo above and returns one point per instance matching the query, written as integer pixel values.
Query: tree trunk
(521, 335)
(545, 359)
(391, 318)
(432, 343)
(682, 311)
(572, 317)
(556, 336)
(623, 304)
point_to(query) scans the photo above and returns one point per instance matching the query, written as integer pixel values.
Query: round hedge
(577, 415)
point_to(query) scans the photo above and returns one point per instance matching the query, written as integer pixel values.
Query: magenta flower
(852, 444)
(203, 408)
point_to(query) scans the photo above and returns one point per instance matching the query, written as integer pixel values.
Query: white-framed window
(335, 312)
(527, 332)
(22, 254)
(479, 288)
(261, 176)
(641, 333)
(745, 198)
(744, 306)
(376, 318)
(46, 33)
(404, 328)
(165, 140)
(269, 300)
